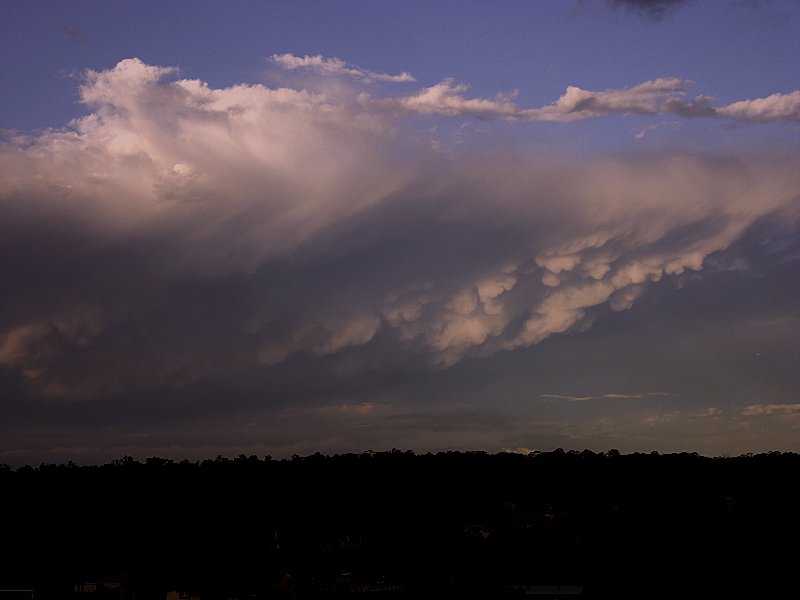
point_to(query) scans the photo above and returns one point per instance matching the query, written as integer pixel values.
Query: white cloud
(336, 66)
(608, 396)
(777, 107)
(650, 97)
(662, 96)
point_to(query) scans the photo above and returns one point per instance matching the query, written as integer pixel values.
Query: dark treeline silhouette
(396, 524)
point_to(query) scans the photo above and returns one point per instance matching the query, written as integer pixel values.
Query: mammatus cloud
(336, 66)
(179, 233)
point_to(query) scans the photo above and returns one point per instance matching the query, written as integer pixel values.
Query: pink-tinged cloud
(663, 96)
(777, 107)
(179, 231)
(757, 410)
(336, 66)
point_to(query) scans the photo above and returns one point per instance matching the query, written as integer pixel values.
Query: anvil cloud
(180, 233)
(304, 222)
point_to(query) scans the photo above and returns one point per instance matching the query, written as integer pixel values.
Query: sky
(294, 227)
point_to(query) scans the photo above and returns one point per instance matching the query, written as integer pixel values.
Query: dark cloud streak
(652, 9)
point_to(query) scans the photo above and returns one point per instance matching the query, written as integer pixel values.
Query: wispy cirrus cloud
(653, 9)
(609, 396)
(336, 66)
(763, 110)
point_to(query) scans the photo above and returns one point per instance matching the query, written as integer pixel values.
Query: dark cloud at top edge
(73, 31)
(656, 10)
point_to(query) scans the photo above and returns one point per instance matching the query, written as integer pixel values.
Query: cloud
(711, 412)
(757, 410)
(763, 110)
(643, 132)
(570, 398)
(336, 66)
(180, 235)
(19, 343)
(653, 9)
(649, 97)
(447, 98)
(609, 396)
(72, 30)
(662, 96)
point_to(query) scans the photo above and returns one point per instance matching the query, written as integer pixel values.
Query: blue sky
(291, 227)
(730, 50)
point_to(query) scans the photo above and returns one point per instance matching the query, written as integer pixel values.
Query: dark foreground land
(398, 525)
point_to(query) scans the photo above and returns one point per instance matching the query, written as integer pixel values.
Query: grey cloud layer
(654, 9)
(179, 233)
